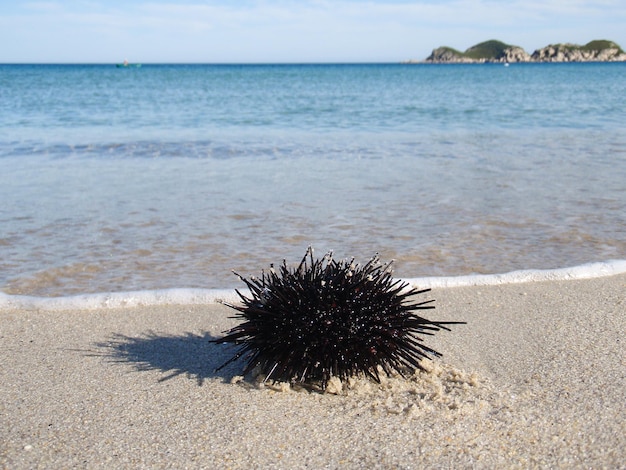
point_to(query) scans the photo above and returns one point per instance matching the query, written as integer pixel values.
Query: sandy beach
(536, 379)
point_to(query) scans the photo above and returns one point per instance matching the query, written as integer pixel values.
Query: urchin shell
(330, 318)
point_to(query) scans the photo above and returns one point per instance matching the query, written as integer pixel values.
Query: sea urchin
(330, 318)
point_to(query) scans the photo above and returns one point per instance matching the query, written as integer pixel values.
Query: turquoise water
(171, 175)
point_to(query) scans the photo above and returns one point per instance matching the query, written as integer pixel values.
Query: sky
(278, 31)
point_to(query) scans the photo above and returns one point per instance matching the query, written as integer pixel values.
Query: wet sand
(535, 379)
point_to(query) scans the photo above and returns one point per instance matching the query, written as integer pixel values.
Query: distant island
(494, 51)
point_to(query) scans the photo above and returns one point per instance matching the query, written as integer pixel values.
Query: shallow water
(172, 176)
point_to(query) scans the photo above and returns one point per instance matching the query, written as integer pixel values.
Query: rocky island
(494, 51)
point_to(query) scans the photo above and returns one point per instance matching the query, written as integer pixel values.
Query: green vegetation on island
(599, 45)
(487, 50)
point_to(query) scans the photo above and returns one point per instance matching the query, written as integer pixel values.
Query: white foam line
(585, 271)
(119, 299)
(211, 296)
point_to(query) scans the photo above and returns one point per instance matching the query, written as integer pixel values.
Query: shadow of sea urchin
(330, 318)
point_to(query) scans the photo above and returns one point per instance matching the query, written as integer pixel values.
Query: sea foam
(585, 271)
(211, 296)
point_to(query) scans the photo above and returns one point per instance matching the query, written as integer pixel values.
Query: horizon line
(401, 62)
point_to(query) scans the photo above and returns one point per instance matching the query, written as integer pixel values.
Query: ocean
(172, 176)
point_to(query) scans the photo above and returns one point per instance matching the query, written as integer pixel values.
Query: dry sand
(535, 379)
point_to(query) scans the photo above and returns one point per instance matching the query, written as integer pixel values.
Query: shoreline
(535, 379)
(195, 296)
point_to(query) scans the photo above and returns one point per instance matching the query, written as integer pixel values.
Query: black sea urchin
(330, 318)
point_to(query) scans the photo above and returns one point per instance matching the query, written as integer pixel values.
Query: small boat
(126, 64)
